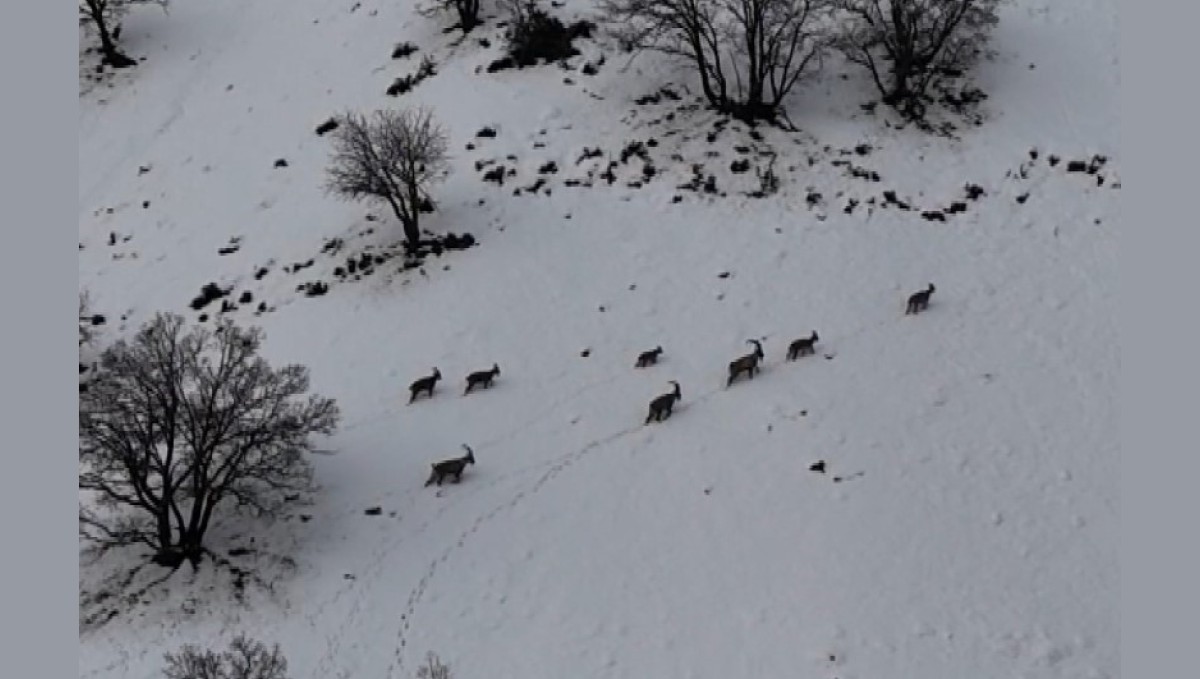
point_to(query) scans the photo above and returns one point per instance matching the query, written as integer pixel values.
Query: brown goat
(452, 467)
(425, 384)
(919, 301)
(660, 407)
(746, 364)
(482, 377)
(648, 357)
(802, 347)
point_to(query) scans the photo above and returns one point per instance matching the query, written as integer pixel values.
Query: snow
(971, 530)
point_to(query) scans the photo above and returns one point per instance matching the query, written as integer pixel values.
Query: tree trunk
(899, 89)
(468, 19)
(412, 233)
(112, 56)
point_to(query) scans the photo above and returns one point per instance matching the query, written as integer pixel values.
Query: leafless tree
(466, 10)
(393, 156)
(106, 16)
(177, 423)
(919, 40)
(245, 659)
(433, 668)
(749, 53)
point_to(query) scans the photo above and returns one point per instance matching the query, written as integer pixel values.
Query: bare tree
(176, 424)
(466, 10)
(749, 53)
(106, 16)
(920, 40)
(392, 156)
(245, 659)
(433, 668)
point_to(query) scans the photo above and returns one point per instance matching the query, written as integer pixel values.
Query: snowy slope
(967, 522)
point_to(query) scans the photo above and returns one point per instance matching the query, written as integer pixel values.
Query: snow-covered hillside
(966, 521)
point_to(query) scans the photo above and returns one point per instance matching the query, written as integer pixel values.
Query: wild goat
(660, 407)
(425, 384)
(802, 347)
(452, 467)
(746, 364)
(648, 357)
(482, 377)
(919, 301)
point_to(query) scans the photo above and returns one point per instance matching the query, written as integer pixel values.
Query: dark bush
(535, 36)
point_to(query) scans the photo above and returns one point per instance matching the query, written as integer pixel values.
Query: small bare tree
(467, 12)
(919, 40)
(393, 156)
(245, 659)
(176, 424)
(433, 668)
(106, 16)
(749, 54)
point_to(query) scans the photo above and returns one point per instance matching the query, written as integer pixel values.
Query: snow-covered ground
(966, 523)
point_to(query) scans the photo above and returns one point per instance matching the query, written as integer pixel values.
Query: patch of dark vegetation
(404, 50)
(813, 199)
(1091, 166)
(549, 168)
(332, 246)
(974, 191)
(740, 166)
(313, 288)
(373, 511)
(501, 64)
(588, 154)
(534, 37)
(532, 188)
(234, 246)
(298, 267)
(956, 207)
(210, 293)
(963, 100)
(495, 175)
(246, 298)
(262, 271)
(281, 162)
(608, 175)
(657, 97)
(425, 247)
(850, 205)
(634, 148)
(486, 133)
(327, 127)
(1023, 197)
(856, 171)
(889, 198)
(934, 216)
(700, 182)
(405, 84)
